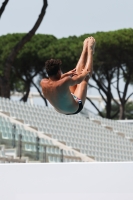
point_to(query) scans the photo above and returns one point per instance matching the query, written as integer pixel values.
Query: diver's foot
(91, 44)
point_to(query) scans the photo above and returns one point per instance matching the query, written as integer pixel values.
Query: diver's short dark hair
(52, 66)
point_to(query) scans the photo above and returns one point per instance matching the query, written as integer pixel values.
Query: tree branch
(116, 89)
(102, 96)
(99, 84)
(40, 93)
(104, 86)
(93, 86)
(116, 80)
(98, 90)
(29, 35)
(9, 61)
(95, 106)
(128, 97)
(122, 70)
(25, 96)
(118, 73)
(3, 7)
(114, 99)
(126, 87)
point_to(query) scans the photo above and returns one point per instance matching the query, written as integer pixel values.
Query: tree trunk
(3, 7)
(108, 108)
(122, 111)
(25, 97)
(5, 80)
(5, 87)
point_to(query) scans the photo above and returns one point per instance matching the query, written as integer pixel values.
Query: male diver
(67, 92)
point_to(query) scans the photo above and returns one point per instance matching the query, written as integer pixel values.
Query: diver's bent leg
(72, 88)
(81, 90)
(83, 58)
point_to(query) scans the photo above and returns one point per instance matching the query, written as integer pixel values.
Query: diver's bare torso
(59, 95)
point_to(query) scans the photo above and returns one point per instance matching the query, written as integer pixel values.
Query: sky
(67, 18)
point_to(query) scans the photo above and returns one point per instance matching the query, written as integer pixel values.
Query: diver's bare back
(58, 94)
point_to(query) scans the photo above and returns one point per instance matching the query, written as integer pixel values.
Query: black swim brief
(80, 105)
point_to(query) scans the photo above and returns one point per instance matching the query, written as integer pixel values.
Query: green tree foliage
(5, 78)
(113, 61)
(128, 112)
(66, 49)
(27, 63)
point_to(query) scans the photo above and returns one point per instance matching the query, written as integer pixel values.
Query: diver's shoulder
(44, 81)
